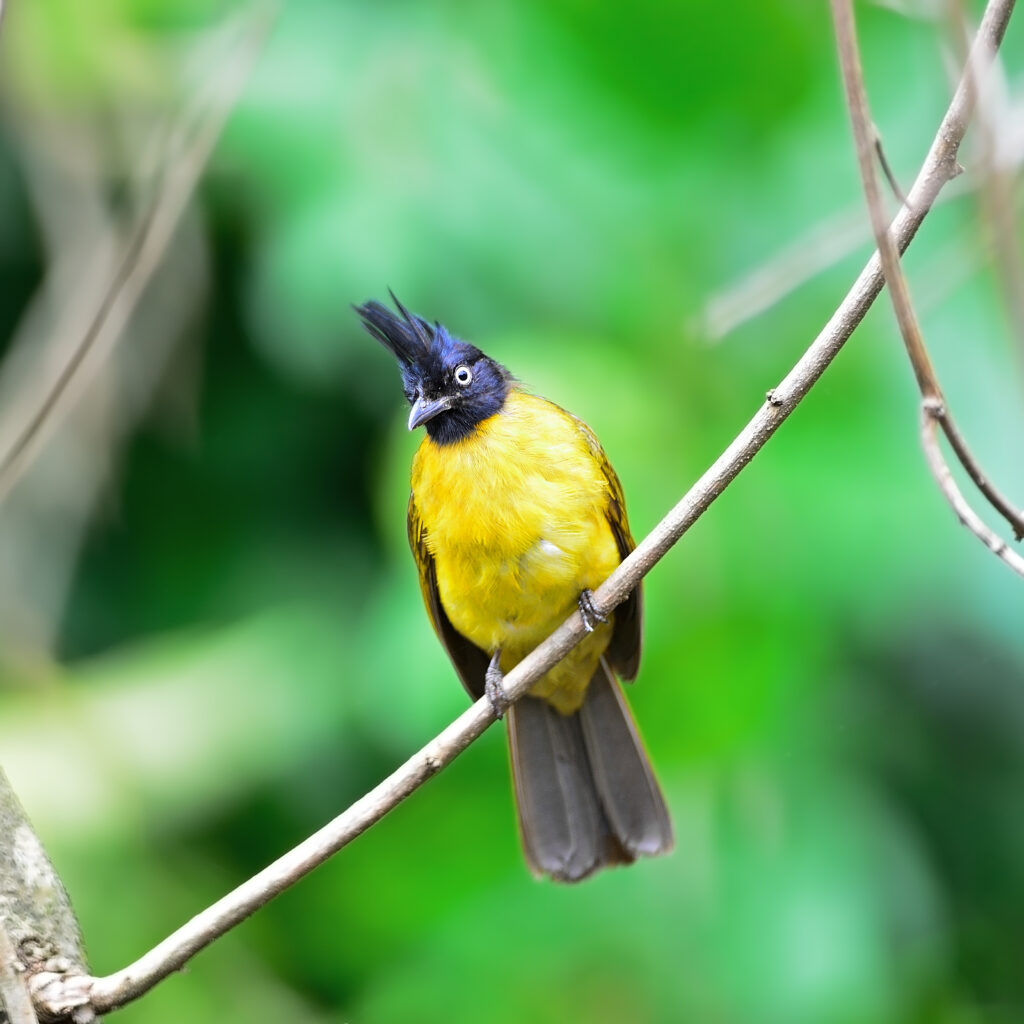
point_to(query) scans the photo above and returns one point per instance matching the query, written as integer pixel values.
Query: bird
(515, 516)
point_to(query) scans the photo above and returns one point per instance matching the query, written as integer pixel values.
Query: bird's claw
(494, 686)
(590, 615)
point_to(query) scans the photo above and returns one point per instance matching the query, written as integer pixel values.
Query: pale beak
(422, 410)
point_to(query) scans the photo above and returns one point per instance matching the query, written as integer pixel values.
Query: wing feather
(469, 660)
(624, 650)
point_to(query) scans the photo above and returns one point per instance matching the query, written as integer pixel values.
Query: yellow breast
(516, 521)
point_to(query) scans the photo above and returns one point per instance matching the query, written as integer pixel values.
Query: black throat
(460, 422)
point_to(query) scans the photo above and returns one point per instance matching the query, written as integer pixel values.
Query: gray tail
(586, 794)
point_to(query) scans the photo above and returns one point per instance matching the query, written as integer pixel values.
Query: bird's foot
(494, 686)
(590, 615)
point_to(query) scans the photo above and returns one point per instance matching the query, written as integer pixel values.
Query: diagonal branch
(175, 951)
(933, 404)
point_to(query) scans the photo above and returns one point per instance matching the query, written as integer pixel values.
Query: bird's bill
(423, 410)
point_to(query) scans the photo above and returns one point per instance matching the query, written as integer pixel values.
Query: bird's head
(451, 385)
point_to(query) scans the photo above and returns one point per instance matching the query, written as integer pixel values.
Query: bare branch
(927, 380)
(932, 415)
(956, 441)
(883, 161)
(865, 136)
(174, 952)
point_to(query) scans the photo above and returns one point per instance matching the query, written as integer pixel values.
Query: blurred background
(211, 635)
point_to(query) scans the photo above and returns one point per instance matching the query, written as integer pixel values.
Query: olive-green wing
(624, 650)
(470, 662)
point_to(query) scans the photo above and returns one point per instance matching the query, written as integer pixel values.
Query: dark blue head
(451, 385)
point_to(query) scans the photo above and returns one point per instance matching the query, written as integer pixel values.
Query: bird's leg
(494, 686)
(590, 615)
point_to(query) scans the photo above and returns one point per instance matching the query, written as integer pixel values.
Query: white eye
(463, 376)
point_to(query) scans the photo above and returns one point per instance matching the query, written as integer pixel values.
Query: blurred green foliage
(833, 685)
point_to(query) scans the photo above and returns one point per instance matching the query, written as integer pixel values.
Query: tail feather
(585, 792)
(560, 818)
(621, 771)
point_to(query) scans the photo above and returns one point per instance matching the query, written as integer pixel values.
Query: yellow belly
(515, 519)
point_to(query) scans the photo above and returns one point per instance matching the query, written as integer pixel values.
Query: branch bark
(174, 952)
(44, 946)
(15, 999)
(933, 405)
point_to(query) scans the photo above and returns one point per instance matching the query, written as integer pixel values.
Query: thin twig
(934, 403)
(931, 417)
(143, 251)
(998, 209)
(883, 161)
(1002, 504)
(14, 995)
(177, 949)
(956, 441)
(864, 136)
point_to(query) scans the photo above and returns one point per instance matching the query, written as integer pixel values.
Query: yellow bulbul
(515, 516)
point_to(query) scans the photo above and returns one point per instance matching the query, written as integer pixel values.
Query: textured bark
(35, 911)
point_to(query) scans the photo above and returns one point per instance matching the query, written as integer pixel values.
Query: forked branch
(933, 403)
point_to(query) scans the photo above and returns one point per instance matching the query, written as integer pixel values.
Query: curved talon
(590, 615)
(494, 686)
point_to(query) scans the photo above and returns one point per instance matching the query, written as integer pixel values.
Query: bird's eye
(463, 376)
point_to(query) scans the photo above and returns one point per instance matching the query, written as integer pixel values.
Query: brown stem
(924, 371)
